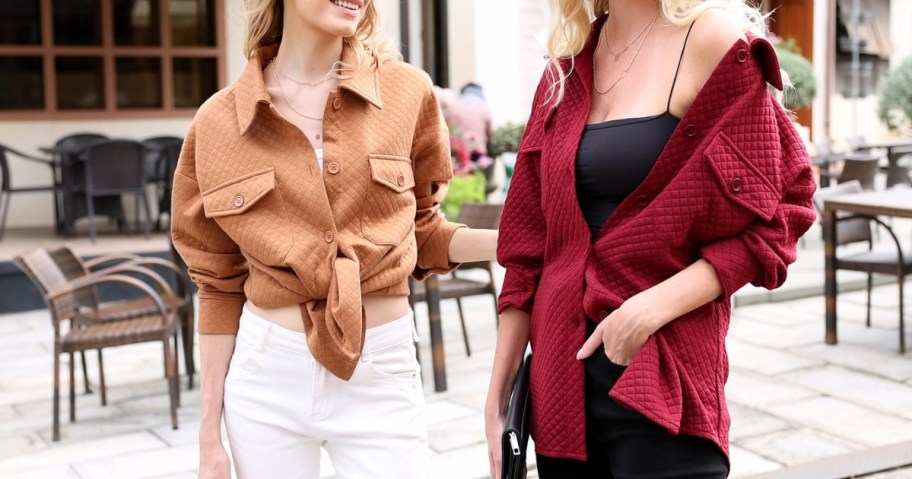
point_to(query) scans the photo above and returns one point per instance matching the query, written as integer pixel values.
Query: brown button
(736, 185)
(642, 200)
(328, 236)
(741, 55)
(690, 130)
(400, 180)
(603, 314)
(337, 103)
(333, 168)
(238, 201)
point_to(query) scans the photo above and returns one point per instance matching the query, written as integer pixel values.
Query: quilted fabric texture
(733, 186)
(254, 216)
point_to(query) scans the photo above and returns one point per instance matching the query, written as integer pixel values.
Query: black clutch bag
(516, 428)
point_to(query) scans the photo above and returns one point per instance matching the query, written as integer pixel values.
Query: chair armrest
(90, 281)
(26, 156)
(136, 260)
(885, 226)
(95, 262)
(129, 269)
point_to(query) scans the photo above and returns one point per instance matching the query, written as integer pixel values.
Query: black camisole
(615, 156)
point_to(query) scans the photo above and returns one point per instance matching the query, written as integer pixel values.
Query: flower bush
(471, 171)
(505, 139)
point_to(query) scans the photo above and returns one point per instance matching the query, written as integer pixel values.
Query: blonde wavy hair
(265, 19)
(571, 23)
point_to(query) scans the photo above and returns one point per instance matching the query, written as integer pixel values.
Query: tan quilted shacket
(255, 217)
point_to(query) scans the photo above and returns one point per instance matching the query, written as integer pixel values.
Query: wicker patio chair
(74, 267)
(162, 153)
(858, 229)
(77, 332)
(473, 215)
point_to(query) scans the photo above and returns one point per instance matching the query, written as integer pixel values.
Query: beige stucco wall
(37, 209)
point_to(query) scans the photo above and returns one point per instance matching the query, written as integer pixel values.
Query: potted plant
(504, 143)
(895, 98)
(801, 87)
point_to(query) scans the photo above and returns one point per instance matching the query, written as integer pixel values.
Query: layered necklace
(276, 73)
(602, 39)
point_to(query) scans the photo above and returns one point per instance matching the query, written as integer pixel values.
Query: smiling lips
(348, 5)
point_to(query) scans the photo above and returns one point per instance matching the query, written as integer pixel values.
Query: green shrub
(895, 98)
(505, 138)
(800, 73)
(464, 187)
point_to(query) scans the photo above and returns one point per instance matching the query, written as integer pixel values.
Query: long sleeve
(215, 262)
(521, 243)
(433, 170)
(761, 253)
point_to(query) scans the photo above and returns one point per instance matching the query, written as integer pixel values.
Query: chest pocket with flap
(252, 213)
(389, 212)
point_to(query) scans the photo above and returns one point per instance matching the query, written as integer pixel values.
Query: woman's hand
(214, 462)
(494, 426)
(624, 331)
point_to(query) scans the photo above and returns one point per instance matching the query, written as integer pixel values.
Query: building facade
(139, 68)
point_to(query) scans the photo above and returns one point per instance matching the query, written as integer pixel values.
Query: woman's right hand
(494, 426)
(214, 462)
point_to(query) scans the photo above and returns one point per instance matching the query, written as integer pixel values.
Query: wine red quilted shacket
(733, 186)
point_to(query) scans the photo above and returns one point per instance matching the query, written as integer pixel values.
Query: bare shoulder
(711, 37)
(714, 32)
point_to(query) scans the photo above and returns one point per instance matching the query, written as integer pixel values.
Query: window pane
(77, 22)
(80, 83)
(192, 23)
(136, 22)
(139, 82)
(194, 81)
(20, 23)
(21, 84)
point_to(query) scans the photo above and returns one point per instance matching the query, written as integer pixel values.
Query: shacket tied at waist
(335, 325)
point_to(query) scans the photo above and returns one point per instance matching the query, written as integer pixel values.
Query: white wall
(509, 55)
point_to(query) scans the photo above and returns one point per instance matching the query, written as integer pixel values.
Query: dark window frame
(109, 52)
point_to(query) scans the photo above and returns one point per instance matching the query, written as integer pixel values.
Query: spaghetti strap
(678, 69)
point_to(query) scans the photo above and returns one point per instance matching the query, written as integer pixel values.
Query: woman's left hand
(624, 331)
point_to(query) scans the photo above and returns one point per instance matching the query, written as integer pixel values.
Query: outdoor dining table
(895, 147)
(893, 202)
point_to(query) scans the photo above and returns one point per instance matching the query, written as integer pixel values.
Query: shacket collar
(250, 90)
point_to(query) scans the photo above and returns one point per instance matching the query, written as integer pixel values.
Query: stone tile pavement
(792, 398)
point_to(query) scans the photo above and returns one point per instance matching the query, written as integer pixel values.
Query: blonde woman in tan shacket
(306, 194)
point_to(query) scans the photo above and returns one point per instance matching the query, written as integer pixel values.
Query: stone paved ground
(793, 399)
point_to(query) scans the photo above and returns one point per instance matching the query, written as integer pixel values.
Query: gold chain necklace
(617, 55)
(288, 102)
(275, 66)
(629, 64)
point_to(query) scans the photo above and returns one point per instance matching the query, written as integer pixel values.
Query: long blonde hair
(264, 27)
(571, 20)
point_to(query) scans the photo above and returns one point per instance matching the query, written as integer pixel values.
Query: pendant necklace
(629, 63)
(287, 101)
(617, 55)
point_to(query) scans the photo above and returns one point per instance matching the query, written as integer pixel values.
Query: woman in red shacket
(656, 177)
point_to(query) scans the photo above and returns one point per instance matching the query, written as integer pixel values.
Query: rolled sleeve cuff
(219, 314)
(734, 263)
(518, 291)
(434, 254)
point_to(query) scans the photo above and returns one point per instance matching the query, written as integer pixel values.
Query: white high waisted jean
(281, 406)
